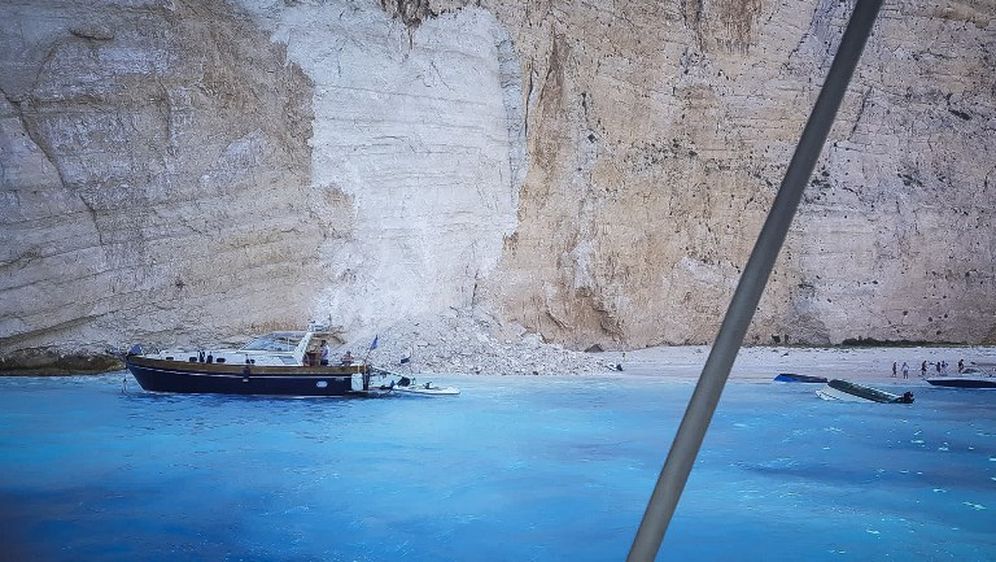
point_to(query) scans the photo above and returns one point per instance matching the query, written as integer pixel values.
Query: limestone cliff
(180, 172)
(658, 133)
(156, 176)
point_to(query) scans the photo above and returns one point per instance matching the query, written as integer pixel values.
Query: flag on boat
(373, 345)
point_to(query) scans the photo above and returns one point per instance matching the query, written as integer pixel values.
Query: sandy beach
(761, 364)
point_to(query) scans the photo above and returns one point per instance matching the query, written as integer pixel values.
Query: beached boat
(847, 391)
(279, 363)
(792, 377)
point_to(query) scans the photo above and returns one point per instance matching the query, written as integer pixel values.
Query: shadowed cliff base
(49, 362)
(872, 342)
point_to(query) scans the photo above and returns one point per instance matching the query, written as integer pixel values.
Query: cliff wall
(156, 176)
(183, 172)
(659, 133)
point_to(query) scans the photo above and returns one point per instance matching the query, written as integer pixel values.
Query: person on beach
(961, 365)
(893, 368)
(937, 365)
(324, 353)
(906, 370)
(923, 369)
(944, 367)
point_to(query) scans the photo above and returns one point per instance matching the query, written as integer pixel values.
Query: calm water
(514, 469)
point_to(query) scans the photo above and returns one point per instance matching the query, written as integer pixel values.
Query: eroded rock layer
(184, 172)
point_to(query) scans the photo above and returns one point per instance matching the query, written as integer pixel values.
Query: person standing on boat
(906, 370)
(324, 352)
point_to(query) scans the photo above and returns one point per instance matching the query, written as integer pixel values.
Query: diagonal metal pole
(701, 406)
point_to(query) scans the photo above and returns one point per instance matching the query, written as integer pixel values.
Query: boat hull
(792, 377)
(171, 376)
(964, 382)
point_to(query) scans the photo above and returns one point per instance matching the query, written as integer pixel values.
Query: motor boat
(407, 385)
(278, 363)
(969, 378)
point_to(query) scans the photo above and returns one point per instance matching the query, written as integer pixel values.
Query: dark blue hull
(963, 382)
(164, 379)
(792, 377)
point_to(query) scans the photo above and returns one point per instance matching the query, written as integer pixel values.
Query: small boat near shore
(405, 385)
(964, 381)
(979, 375)
(846, 391)
(792, 377)
(279, 363)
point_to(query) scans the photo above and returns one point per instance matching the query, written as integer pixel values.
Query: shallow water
(513, 469)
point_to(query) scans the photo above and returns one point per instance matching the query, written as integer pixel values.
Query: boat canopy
(285, 342)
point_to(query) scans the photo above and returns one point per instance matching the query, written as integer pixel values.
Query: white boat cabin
(273, 349)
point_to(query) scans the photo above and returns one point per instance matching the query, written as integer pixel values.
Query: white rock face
(419, 128)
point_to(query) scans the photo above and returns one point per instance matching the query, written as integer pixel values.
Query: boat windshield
(277, 341)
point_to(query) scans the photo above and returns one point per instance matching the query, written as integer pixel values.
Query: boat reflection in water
(279, 363)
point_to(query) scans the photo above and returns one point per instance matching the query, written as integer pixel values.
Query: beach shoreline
(754, 364)
(763, 363)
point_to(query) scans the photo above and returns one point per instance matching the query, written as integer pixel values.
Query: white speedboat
(981, 375)
(965, 381)
(406, 385)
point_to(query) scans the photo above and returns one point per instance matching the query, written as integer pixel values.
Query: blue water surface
(530, 468)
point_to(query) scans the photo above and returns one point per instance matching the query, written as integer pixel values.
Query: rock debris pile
(470, 342)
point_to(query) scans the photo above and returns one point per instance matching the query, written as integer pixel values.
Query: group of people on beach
(940, 366)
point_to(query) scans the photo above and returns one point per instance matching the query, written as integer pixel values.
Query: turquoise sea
(516, 468)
